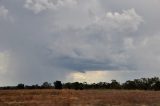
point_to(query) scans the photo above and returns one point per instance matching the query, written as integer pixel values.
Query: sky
(78, 40)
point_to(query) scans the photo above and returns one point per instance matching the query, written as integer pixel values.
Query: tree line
(136, 84)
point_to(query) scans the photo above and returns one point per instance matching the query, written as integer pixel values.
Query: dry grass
(79, 98)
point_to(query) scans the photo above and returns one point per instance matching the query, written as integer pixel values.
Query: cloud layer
(101, 45)
(75, 40)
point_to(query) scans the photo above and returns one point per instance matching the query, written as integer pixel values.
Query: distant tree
(154, 83)
(20, 86)
(33, 86)
(85, 85)
(67, 85)
(140, 84)
(37, 86)
(102, 85)
(115, 85)
(46, 85)
(129, 85)
(156, 86)
(77, 86)
(58, 85)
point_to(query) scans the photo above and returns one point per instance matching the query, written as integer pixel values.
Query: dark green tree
(20, 86)
(58, 85)
(115, 85)
(77, 86)
(129, 85)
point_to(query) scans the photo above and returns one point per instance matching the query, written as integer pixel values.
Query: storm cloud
(47, 40)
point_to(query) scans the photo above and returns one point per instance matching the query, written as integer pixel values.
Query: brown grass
(79, 98)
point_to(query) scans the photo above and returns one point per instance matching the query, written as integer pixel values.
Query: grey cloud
(87, 36)
(99, 46)
(3, 13)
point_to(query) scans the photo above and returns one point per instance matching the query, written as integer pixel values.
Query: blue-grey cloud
(47, 40)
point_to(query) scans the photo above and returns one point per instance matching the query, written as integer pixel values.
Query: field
(51, 97)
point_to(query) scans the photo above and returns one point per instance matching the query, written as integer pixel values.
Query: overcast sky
(78, 40)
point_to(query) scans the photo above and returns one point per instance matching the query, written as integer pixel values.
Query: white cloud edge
(38, 6)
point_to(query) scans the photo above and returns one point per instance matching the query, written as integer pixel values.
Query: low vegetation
(52, 97)
(136, 84)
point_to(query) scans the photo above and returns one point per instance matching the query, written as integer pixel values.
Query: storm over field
(78, 40)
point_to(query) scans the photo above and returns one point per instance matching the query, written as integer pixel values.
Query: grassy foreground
(50, 97)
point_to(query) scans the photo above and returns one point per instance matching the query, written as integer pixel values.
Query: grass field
(52, 97)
